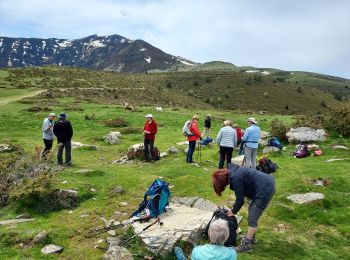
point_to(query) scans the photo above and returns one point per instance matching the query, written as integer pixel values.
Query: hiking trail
(6, 100)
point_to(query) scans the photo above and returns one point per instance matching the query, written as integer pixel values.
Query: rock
(51, 249)
(237, 160)
(117, 253)
(123, 203)
(263, 142)
(111, 232)
(118, 189)
(173, 150)
(306, 197)
(5, 148)
(187, 201)
(339, 147)
(122, 160)
(23, 216)
(162, 155)
(281, 228)
(205, 205)
(186, 150)
(83, 171)
(321, 182)
(39, 238)
(180, 223)
(113, 138)
(136, 151)
(264, 134)
(182, 143)
(333, 160)
(92, 190)
(271, 149)
(76, 145)
(15, 221)
(306, 134)
(67, 198)
(83, 215)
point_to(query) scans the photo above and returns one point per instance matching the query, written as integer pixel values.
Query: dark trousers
(150, 143)
(68, 147)
(48, 146)
(225, 152)
(191, 148)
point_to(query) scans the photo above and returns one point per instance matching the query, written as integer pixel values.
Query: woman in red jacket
(149, 131)
(192, 139)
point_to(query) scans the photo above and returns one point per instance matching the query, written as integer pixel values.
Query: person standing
(48, 136)
(149, 132)
(192, 139)
(227, 140)
(239, 133)
(207, 125)
(251, 141)
(63, 130)
(247, 182)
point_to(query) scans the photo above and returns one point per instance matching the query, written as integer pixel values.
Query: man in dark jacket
(250, 183)
(149, 132)
(207, 125)
(64, 132)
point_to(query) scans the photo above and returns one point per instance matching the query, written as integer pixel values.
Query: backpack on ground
(275, 143)
(232, 225)
(266, 165)
(206, 141)
(155, 199)
(186, 128)
(156, 154)
(301, 151)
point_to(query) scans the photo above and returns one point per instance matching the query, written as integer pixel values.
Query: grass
(315, 231)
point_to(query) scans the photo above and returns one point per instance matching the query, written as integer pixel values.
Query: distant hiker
(218, 234)
(250, 140)
(48, 136)
(64, 132)
(207, 125)
(149, 132)
(247, 182)
(239, 133)
(192, 138)
(227, 140)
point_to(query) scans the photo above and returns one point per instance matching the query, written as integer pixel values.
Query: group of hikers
(244, 180)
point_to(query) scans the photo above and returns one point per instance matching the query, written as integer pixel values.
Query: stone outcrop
(238, 160)
(113, 138)
(5, 148)
(116, 252)
(271, 149)
(15, 221)
(76, 145)
(306, 134)
(51, 249)
(306, 197)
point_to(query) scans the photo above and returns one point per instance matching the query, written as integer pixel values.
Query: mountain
(110, 53)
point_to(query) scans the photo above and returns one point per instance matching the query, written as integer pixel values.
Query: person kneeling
(218, 234)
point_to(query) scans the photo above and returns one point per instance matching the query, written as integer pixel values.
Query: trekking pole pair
(199, 152)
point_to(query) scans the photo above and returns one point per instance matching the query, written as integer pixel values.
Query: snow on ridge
(44, 44)
(95, 44)
(142, 49)
(265, 72)
(148, 59)
(252, 71)
(27, 43)
(64, 44)
(186, 63)
(122, 40)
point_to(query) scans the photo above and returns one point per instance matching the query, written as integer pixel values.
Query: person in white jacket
(227, 140)
(48, 136)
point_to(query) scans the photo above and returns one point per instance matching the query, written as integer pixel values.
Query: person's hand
(230, 214)
(147, 132)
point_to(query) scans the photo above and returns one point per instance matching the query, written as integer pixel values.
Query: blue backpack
(275, 142)
(155, 199)
(206, 141)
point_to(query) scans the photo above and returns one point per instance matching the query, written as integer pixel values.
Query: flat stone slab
(306, 134)
(237, 160)
(51, 249)
(76, 145)
(339, 147)
(334, 160)
(182, 143)
(306, 197)
(15, 221)
(271, 149)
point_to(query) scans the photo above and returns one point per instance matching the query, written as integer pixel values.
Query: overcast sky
(309, 35)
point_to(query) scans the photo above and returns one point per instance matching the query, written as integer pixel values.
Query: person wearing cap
(251, 141)
(48, 136)
(247, 182)
(149, 133)
(227, 140)
(63, 130)
(192, 139)
(207, 125)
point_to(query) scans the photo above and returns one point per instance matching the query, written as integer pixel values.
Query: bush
(90, 117)
(315, 122)
(37, 109)
(195, 83)
(131, 130)
(279, 129)
(116, 122)
(323, 103)
(339, 121)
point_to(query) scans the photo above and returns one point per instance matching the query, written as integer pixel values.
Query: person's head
(63, 116)
(227, 123)
(195, 118)
(51, 116)
(209, 115)
(251, 121)
(218, 232)
(149, 117)
(235, 125)
(220, 181)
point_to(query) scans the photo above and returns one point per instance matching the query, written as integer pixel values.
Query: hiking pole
(144, 229)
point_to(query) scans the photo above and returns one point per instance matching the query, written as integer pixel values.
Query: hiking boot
(253, 240)
(245, 246)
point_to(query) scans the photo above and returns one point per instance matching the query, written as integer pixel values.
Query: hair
(195, 117)
(227, 122)
(235, 125)
(218, 232)
(220, 181)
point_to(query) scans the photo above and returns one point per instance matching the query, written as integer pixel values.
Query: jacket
(194, 130)
(207, 122)
(48, 132)
(250, 183)
(213, 252)
(251, 136)
(227, 137)
(151, 127)
(63, 131)
(239, 133)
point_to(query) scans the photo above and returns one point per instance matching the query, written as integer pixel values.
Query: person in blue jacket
(247, 182)
(250, 140)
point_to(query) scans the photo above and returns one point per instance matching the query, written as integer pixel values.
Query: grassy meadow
(287, 231)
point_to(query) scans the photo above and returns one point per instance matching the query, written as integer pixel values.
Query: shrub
(116, 122)
(131, 130)
(299, 89)
(279, 129)
(37, 109)
(323, 103)
(339, 121)
(90, 117)
(315, 121)
(195, 83)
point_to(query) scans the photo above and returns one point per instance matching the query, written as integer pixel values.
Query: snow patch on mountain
(142, 49)
(265, 72)
(122, 40)
(64, 44)
(251, 71)
(186, 63)
(44, 44)
(0, 42)
(148, 59)
(96, 44)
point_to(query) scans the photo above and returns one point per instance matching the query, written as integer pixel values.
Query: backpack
(301, 151)
(156, 154)
(266, 165)
(186, 128)
(232, 225)
(206, 141)
(155, 199)
(275, 142)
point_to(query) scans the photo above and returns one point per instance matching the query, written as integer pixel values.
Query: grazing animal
(128, 107)
(159, 109)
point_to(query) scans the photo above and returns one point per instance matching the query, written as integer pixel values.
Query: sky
(304, 35)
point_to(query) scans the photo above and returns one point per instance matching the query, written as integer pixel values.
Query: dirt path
(5, 101)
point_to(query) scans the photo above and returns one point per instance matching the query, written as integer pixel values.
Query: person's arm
(219, 136)
(234, 138)
(154, 128)
(245, 135)
(238, 187)
(46, 125)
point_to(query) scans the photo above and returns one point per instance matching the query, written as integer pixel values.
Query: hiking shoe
(253, 240)
(245, 246)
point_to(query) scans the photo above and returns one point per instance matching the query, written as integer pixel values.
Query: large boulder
(51, 249)
(5, 148)
(113, 138)
(136, 151)
(271, 149)
(237, 160)
(306, 197)
(116, 252)
(66, 199)
(306, 134)
(76, 145)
